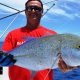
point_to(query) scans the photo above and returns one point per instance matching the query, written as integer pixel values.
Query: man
(33, 12)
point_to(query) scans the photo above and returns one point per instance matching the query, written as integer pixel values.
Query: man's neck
(32, 27)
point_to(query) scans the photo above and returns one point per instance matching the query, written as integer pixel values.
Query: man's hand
(6, 59)
(64, 67)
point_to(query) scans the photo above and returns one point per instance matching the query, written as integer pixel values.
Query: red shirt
(15, 38)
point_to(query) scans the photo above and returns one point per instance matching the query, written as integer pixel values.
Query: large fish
(44, 52)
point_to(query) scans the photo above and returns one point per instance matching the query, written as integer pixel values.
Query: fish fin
(47, 34)
(29, 38)
(33, 73)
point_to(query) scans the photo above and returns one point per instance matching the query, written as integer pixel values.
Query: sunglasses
(36, 8)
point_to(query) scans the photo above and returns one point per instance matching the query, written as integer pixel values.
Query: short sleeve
(8, 44)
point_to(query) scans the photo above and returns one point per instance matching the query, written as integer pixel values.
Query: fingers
(64, 67)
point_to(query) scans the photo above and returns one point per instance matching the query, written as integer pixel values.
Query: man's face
(33, 12)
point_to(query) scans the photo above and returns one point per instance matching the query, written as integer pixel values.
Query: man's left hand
(64, 67)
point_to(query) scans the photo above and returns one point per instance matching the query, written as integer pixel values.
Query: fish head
(71, 49)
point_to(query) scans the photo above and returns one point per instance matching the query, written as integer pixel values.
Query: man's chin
(34, 18)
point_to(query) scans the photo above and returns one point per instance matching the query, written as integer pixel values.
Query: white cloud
(61, 12)
(77, 15)
(57, 10)
(17, 4)
(76, 1)
(20, 4)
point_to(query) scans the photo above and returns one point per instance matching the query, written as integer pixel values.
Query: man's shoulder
(48, 30)
(17, 30)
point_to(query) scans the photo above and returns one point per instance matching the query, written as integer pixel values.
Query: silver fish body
(42, 53)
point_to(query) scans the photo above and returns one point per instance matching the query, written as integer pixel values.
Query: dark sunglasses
(36, 8)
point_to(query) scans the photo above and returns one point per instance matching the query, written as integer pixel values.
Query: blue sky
(64, 17)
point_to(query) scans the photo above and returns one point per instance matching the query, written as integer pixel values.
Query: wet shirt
(18, 37)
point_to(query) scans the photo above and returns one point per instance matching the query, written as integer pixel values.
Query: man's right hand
(6, 59)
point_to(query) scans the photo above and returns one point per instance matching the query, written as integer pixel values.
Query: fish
(43, 53)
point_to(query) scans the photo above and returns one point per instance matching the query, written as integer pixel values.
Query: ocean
(1, 44)
(58, 75)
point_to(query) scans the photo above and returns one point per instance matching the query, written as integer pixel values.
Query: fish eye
(79, 46)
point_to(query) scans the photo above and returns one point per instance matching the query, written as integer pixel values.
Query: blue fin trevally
(42, 53)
